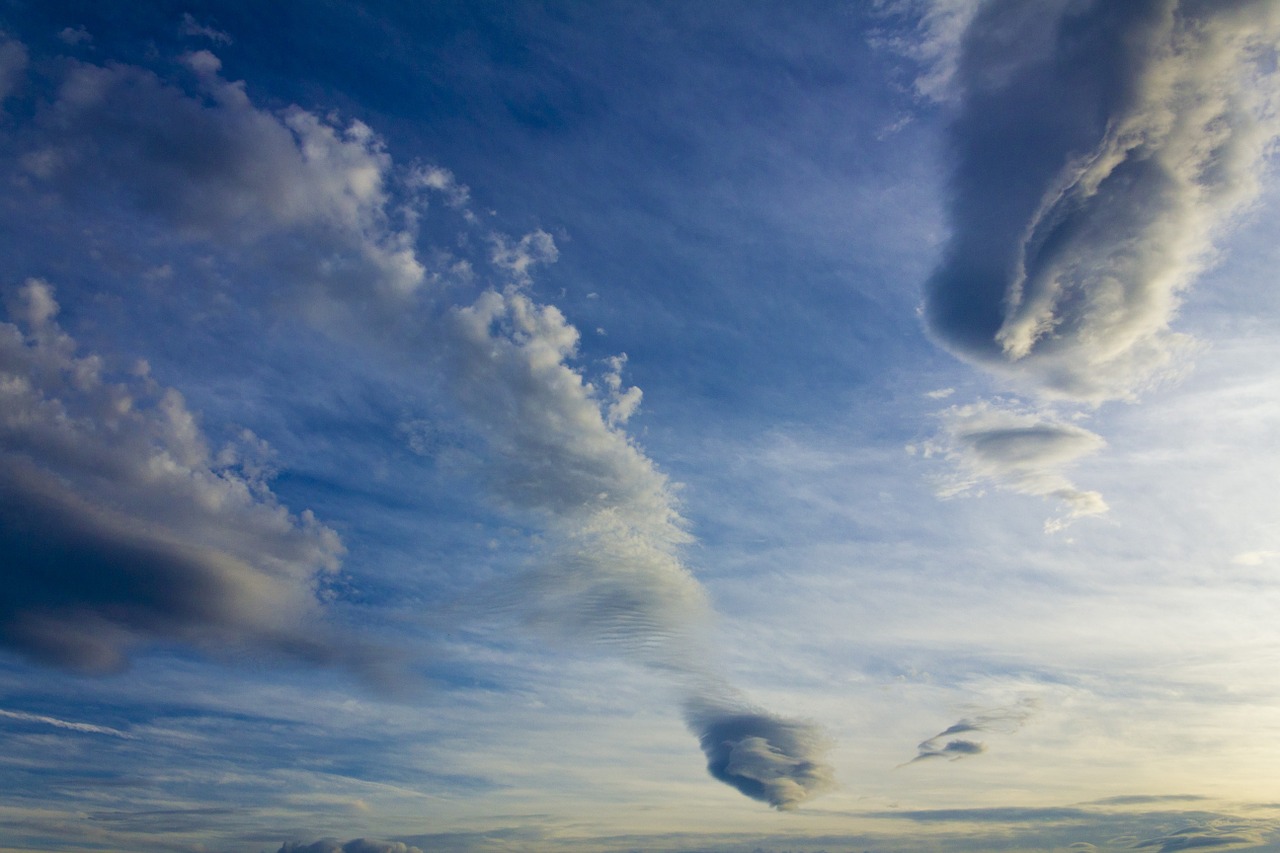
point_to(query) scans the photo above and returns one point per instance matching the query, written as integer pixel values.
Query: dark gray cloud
(1228, 836)
(355, 845)
(769, 758)
(119, 524)
(1097, 149)
(945, 745)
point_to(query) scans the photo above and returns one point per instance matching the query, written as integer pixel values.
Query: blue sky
(639, 426)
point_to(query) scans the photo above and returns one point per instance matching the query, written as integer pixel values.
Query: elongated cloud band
(1099, 149)
(125, 520)
(613, 574)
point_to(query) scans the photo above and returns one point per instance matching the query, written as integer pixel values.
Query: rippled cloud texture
(476, 427)
(229, 562)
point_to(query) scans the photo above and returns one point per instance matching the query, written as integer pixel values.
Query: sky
(639, 426)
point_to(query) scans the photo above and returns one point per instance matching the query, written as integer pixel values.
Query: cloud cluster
(945, 745)
(170, 540)
(1018, 450)
(1098, 149)
(118, 522)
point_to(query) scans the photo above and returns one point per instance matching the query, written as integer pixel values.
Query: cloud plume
(612, 574)
(1099, 148)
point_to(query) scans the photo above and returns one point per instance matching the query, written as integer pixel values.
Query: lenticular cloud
(1099, 149)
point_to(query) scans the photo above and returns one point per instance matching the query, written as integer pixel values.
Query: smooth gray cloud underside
(1098, 147)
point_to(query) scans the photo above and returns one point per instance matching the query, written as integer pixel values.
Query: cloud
(613, 574)
(217, 168)
(87, 728)
(769, 758)
(1203, 837)
(1005, 719)
(1099, 148)
(119, 523)
(356, 845)
(295, 191)
(192, 27)
(1018, 450)
(518, 259)
(935, 44)
(13, 65)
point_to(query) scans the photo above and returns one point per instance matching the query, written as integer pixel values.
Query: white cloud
(88, 728)
(518, 259)
(1019, 450)
(613, 573)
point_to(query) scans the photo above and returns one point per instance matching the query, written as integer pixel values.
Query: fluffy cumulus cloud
(1099, 148)
(1019, 450)
(119, 523)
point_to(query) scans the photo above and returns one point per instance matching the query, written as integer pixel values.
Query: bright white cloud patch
(121, 526)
